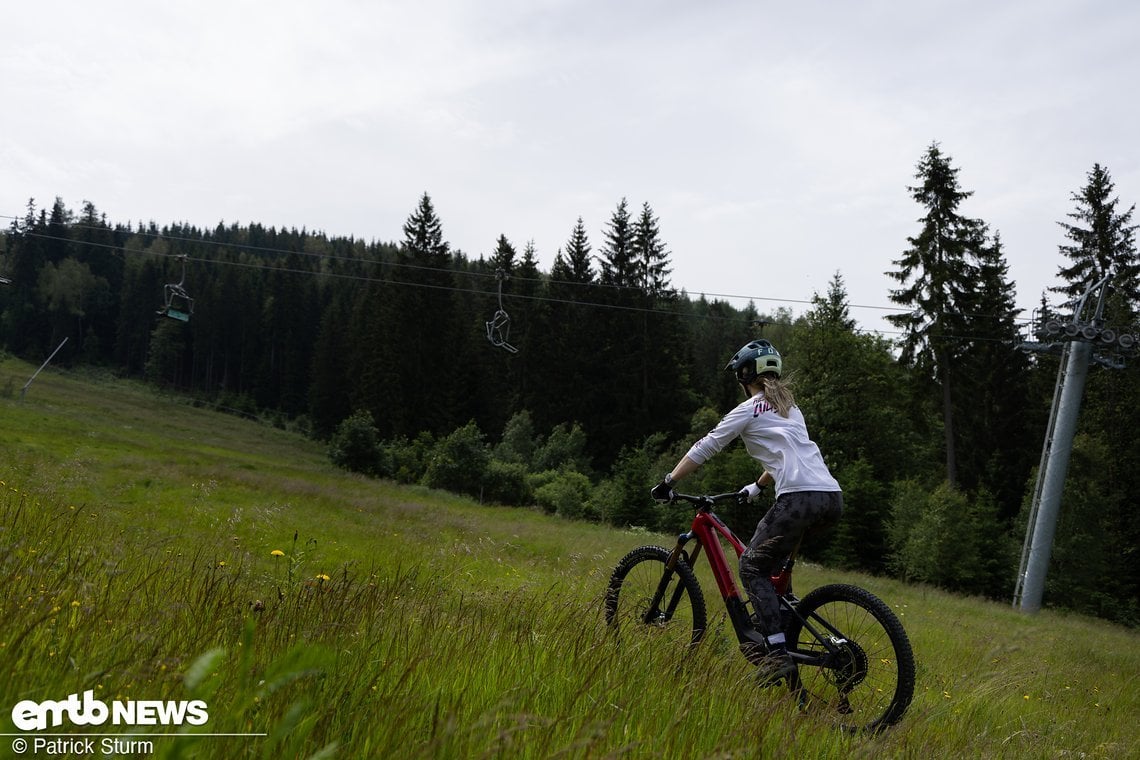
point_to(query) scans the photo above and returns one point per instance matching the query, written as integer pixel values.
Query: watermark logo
(30, 715)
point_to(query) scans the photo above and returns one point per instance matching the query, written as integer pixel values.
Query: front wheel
(645, 595)
(856, 662)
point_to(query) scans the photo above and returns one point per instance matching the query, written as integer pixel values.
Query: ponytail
(778, 393)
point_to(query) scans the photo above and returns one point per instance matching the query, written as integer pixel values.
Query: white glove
(751, 491)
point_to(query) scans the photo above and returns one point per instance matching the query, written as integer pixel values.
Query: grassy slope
(135, 554)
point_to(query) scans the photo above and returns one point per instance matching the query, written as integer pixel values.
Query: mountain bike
(854, 660)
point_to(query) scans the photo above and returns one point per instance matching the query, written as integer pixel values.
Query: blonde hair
(777, 392)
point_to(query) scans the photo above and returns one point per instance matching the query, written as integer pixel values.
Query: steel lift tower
(1075, 341)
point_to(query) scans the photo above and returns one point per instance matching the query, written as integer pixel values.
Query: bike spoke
(645, 596)
(849, 647)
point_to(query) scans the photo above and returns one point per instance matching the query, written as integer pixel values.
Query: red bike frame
(708, 529)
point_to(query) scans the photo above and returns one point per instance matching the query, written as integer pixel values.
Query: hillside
(150, 550)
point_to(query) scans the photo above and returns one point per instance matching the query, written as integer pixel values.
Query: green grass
(136, 540)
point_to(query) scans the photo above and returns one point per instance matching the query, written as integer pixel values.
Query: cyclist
(807, 496)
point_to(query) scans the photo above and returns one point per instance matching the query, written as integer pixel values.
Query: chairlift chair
(499, 326)
(179, 305)
(177, 302)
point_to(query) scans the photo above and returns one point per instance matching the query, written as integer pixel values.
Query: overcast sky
(774, 141)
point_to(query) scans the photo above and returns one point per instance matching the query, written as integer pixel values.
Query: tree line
(573, 389)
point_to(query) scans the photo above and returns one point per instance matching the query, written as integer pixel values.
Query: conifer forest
(574, 390)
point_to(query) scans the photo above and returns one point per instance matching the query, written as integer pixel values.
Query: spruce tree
(572, 343)
(1098, 511)
(996, 436)
(504, 256)
(617, 416)
(1102, 242)
(620, 267)
(576, 267)
(423, 332)
(936, 275)
(22, 327)
(650, 254)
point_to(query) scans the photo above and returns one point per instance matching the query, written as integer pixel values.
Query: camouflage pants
(793, 515)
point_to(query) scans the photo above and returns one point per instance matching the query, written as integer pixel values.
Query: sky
(775, 142)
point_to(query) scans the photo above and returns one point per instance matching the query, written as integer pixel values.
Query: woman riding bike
(807, 496)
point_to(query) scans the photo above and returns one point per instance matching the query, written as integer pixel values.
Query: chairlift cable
(541, 299)
(404, 265)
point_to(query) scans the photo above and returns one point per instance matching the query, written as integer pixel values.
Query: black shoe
(776, 666)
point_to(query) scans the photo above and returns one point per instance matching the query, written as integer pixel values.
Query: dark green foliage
(859, 541)
(328, 393)
(959, 338)
(167, 347)
(410, 458)
(518, 442)
(506, 483)
(620, 266)
(1091, 568)
(936, 275)
(946, 538)
(565, 449)
(623, 498)
(1102, 240)
(421, 331)
(996, 438)
(355, 446)
(459, 462)
(565, 493)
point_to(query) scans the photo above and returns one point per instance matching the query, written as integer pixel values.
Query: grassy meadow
(150, 550)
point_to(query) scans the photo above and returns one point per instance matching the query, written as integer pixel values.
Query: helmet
(753, 360)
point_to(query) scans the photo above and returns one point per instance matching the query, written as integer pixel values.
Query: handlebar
(706, 501)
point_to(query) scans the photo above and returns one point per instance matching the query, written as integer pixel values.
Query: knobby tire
(866, 683)
(644, 595)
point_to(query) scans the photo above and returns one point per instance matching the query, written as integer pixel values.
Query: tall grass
(137, 540)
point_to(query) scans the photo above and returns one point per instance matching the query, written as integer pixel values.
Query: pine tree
(1098, 513)
(937, 274)
(995, 436)
(832, 310)
(571, 346)
(504, 256)
(620, 267)
(576, 267)
(423, 332)
(22, 327)
(651, 256)
(1103, 242)
(423, 238)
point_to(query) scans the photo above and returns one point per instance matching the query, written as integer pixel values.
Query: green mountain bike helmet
(753, 360)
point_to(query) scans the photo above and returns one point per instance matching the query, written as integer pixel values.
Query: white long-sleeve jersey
(780, 444)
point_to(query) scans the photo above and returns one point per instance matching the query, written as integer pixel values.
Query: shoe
(775, 667)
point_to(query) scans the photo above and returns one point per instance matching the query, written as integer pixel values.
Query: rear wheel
(859, 667)
(644, 595)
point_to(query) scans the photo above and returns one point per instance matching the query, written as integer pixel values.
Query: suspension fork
(678, 553)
